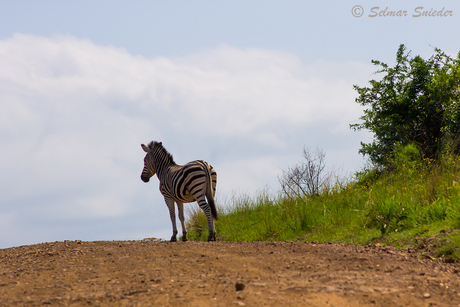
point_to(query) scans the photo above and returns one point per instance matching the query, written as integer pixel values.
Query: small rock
(426, 295)
(239, 286)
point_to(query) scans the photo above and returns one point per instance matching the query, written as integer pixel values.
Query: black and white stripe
(194, 181)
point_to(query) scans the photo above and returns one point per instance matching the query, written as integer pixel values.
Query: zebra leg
(207, 211)
(180, 207)
(172, 214)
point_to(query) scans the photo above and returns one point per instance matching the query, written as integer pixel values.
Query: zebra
(194, 181)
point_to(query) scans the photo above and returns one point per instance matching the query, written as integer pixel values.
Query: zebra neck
(162, 168)
(163, 161)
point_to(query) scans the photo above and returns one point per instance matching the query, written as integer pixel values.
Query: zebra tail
(209, 194)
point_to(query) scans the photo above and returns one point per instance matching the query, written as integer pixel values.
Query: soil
(160, 273)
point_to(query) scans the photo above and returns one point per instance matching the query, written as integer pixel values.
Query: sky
(244, 85)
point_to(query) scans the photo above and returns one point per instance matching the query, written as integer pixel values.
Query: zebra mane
(161, 151)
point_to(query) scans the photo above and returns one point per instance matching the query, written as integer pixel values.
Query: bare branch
(309, 178)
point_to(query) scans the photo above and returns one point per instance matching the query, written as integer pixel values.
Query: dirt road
(158, 273)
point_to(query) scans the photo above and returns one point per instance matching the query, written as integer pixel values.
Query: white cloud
(73, 113)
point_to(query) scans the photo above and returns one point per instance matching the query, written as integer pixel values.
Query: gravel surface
(160, 273)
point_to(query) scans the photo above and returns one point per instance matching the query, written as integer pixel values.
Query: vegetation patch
(416, 208)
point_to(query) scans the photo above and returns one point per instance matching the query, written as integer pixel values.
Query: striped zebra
(194, 181)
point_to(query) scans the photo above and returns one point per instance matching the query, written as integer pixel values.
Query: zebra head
(149, 167)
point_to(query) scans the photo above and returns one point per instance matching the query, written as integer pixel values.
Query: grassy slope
(416, 206)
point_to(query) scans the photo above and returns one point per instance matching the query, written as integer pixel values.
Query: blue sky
(242, 84)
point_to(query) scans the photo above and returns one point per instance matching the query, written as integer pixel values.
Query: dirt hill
(158, 273)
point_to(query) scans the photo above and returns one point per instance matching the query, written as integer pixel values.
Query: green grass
(418, 201)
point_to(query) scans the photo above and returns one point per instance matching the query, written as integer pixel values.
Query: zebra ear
(145, 148)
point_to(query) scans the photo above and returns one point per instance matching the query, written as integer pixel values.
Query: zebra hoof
(184, 239)
(173, 239)
(212, 236)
